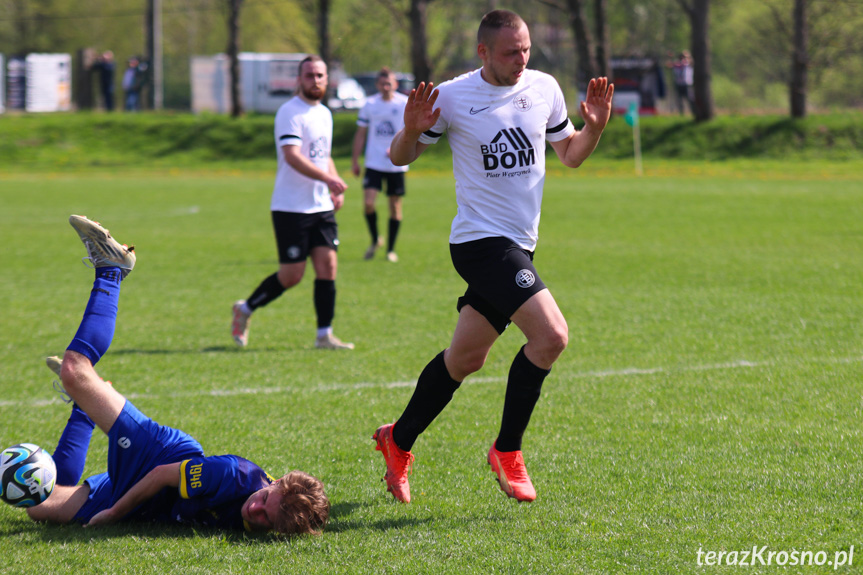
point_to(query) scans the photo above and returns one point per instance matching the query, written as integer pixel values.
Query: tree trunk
(583, 44)
(419, 48)
(603, 42)
(324, 30)
(233, 56)
(799, 61)
(698, 12)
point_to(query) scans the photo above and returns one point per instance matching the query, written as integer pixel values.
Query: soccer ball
(27, 475)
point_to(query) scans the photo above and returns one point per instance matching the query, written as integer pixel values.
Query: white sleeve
(289, 129)
(559, 126)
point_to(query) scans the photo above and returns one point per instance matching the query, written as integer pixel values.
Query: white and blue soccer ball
(27, 475)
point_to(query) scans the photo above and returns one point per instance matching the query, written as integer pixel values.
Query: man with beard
(306, 195)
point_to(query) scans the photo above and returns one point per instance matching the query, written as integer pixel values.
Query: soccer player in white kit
(498, 119)
(379, 120)
(306, 195)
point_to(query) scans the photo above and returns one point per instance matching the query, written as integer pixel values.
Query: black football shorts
(500, 277)
(297, 234)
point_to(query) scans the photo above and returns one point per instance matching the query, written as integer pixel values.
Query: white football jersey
(383, 119)
(311, 128)
(497, 135)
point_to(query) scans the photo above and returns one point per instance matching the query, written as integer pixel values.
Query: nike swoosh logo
(475, 112)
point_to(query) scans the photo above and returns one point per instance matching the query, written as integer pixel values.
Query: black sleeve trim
(560, 127)
(431, 134)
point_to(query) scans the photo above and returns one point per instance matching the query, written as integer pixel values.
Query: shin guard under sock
(325, 302)
(96, 331)
(372, 223)
(523, 389)
(71, 453)
(394, 232)
(270, 289)
(433, 392)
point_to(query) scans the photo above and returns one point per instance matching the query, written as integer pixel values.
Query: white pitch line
(330, 387)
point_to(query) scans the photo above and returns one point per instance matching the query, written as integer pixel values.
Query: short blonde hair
(305, 507)
(494, 22)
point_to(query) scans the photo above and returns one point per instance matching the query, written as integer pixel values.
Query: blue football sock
(97, 327)
(71, 452)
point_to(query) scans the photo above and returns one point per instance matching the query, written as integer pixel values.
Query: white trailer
(49, 82)
(266, 81)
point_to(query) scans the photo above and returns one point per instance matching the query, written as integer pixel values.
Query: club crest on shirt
(522, 103)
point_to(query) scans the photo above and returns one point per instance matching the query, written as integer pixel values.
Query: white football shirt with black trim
(311, 128)
(383, 119)
(497, 135)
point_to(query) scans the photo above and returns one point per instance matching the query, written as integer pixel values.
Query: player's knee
(73, 365)
(462, 365)
(289, 279)
(553, 343)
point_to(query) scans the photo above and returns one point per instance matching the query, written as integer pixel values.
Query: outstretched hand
(596, 107)
(104, 517)
(420, 113)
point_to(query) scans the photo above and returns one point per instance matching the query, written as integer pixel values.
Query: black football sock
(325, 302)
(433, 392)
(372, 222)
(394, 232)
(270, 289)
(523, 388)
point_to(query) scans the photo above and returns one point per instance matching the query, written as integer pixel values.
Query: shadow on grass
(345, 509)
(228, 348)
(382, 525)
(75, 533)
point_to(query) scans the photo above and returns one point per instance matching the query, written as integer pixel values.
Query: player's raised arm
(595, 111)
(420, 116)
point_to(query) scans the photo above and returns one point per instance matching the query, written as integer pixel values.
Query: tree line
(790, 53)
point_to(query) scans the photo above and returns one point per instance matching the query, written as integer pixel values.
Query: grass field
(710, 399)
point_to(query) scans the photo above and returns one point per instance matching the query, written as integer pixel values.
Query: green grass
(710, 397)
(87, 141)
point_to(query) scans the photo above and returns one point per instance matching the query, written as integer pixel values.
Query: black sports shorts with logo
(374, 180)
(297, 234)
(500, 277)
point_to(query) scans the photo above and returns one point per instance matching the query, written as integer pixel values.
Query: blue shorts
(136, 445)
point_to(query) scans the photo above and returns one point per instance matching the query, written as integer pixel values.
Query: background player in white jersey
(378, 121)
(306, 195)
(497, 119)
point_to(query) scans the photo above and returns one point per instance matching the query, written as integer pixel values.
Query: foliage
(84, 140)
(749, 46)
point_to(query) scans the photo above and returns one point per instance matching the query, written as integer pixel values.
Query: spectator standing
(106, 67)
(134, 79)
(681, 70)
